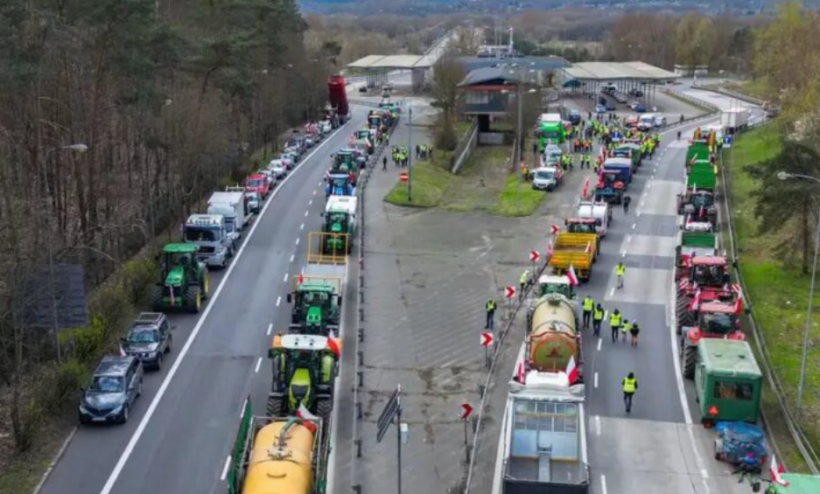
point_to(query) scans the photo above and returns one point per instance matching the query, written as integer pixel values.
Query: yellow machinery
(578, 250)
(553, 339)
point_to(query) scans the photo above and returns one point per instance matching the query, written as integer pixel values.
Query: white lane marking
(612, 292)
(306, 213)
(642, 203)
(603, 484)
(278, 301)
(285, 279)
(225, 469)
(292, 257)
(704, 472)
(242, 409)
(634, 225)
(623, 254)
(297, 240)
(638, 213)
(302, 226)
(629, 239)
(598, 425)
(600, 341)
(319, 184)
(596, 380)
(673, 334)
(258, 365)
(310, 203)
(152, 408)
(270, 326)
(314, 192)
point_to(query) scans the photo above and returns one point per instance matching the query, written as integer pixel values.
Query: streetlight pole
(804, 358)
(518, 142)
(410, 153)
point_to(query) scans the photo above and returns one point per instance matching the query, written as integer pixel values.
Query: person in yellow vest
(615, 324)
(626, 327)
(587, 305)
(597, 319)
(630, 386)
(620, 271)
(522, 282)
(490, 308)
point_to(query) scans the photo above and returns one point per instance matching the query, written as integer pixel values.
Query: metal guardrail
(808, 453)
(465, 147)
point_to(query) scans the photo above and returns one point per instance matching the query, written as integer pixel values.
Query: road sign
(534, 256)
(466, 410)
(300, 278)
(486, 339)
(727, 141)
(391, 409)
(509, 292)
(554, 229)
(404, 177)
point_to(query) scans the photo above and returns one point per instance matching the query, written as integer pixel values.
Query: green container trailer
(698, 151)
(701, 176)
(727, 381)
(799, 484)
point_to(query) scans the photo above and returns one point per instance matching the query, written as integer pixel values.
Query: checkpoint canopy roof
(392, 62)
(617, 71)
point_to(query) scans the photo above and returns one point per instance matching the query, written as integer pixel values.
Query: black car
(636, 93)
(115, 386)
(148, 339)
(574, 117)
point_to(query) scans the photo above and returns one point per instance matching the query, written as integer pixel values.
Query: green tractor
(340, 225)
(317, 306)
(185, 281)
(304, 367)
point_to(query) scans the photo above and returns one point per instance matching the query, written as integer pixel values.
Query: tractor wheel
(685, 318)
(689, 356)
(156, 298)
(206, 284)
(276, 405)
(193, 299)
(324, 407)
(275, 365)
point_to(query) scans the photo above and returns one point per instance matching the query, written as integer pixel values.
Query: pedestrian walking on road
(634, 333)
(588, 304)
(522, 282)
(384, 163)
(597, 319)
(615, 324)
(627, 200)
(626, 327)
(490, 308)
(620, 271)
(630, 386)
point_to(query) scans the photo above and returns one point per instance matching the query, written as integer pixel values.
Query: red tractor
(705, 279)
(714, 320)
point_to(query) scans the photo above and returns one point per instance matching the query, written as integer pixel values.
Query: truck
(734, 120)
(340, 224)
(231, 205)
(609, 188)
(621, 165)
(728, 382)
(550, 133)
(273, 454)
(553, 337)
(578, 250)
(716, 319)
(692, 244)
(597, 211)
(337, 95)
(210, 234)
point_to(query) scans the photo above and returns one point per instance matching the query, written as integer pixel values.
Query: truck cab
(610, 188)
(304, 370)
(551, 156)
(599, 212)
(232, 208)
(258, 183)
(317, 303)
(209, 233)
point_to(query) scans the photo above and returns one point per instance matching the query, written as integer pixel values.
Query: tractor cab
(698, 206)
(718, 319)
(184, 280)
(304, 367)
(340, 184)
(709, 271)
(548, 284)
(581, 225)
(316, 307)
(340, 224)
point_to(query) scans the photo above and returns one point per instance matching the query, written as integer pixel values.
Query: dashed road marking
(297, 240)
(286, 278)
(302, 226)
(225, 468)
(270, 326)
(258, 365)
(292, 257)
(596, 380)
(600, 342)
(306, 213)
(278, 301)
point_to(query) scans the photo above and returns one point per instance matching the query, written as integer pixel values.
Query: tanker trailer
(553, 339)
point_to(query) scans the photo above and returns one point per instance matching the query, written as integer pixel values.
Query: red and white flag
(572, 371)
(554, 229)
(519, 373)
(573, 279)
(738, 305)
(588, 248)
(693, 160)
(585, 188)
(171, 295)
(334, 346)
(696, 300)
(308, 418)
(549, 249)
(777, 471)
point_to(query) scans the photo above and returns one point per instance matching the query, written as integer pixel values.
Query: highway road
(183, 426)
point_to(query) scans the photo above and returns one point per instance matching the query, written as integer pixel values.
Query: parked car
(600, 109)
(289, 159)
(115, 386)
(310, 141)
(574, 117)
(640, 108)
(254, 202)
(546, 178)
(660, 121)
(269, 176)
(257, 183)
(148, 339)
(278, 168)
(637, 93)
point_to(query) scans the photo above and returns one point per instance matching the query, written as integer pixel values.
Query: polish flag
(588, 248)
(696, 301)
(693, 160)
(554, 229)
(776, 471)
(519, 373)
(307, 418)
(573, 279)
(549, 249)
(585, 188)
(572, 371)
(738, 304)
(333, 346)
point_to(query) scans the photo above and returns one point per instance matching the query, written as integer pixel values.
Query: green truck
(728, 381)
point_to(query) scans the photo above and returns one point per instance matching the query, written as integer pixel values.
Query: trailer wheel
(689, 356)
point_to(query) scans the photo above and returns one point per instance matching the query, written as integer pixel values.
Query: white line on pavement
(292, 257)
(140, 430)
(623, 254)
(286, 278)
(302, 226)
(306, 213)
(603, 484)
(634, 225)
(673, 334)
(278, 300)
(612, 292)
(258, 365)
(310, 203)
(596, 380)
(314, 192)
(629, 239)
(225, 468)
(242, 408)
(600, 341)
(297, 240)
(598, 425)
(270, 326)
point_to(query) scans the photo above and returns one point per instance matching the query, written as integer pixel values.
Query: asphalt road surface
(183, 426)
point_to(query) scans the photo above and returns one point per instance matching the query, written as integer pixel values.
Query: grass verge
(429, 183)
(517, 198)
(778, 293)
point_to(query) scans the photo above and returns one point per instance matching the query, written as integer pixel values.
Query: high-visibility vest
(626, 327)
(491, 306)
(588, 304)
(630, 385)
(598, 315)
(523, 279)
(620, 269)
(615, 319)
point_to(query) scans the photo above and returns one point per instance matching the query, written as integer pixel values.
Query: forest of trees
(116, 119)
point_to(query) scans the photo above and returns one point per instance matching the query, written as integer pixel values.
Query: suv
(115, 386)
(148, 339)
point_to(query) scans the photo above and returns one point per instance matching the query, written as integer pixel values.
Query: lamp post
(80, 148)
(800, 387)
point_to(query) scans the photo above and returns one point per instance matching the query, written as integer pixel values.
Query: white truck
(549, 118)
(210, 233)
(598, 211)
(734, 120)
(231, 205)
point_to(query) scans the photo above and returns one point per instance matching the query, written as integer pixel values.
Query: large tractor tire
(685, 317)
(689, 357)
(276, 405)
(193, 299)
(157, 292)
(205, 283)
(324, 407)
